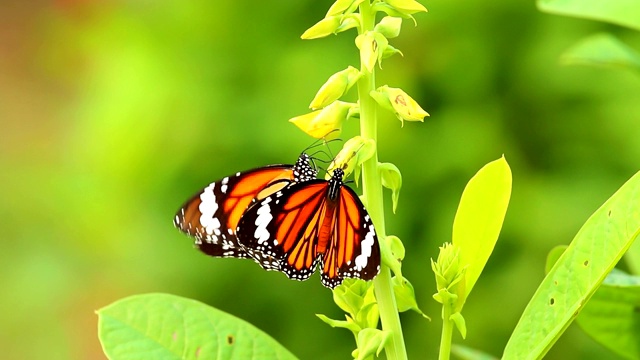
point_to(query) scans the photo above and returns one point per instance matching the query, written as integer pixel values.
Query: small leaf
(621, 12)
(371, 341)
(602, 50)
(392, 180)
(406, 296)
(595, 250)
(461, 325)
(611, 316)
(162, 326)
(389, 51)
(466, 353)
(389, 10)
(348, 324)
(553, 256)
(349, 22)
(479, 217)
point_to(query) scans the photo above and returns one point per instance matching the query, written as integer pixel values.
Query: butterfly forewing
(212, 215)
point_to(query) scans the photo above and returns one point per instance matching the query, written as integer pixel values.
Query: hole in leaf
(552, 301)
(586, 263)
(230, 339)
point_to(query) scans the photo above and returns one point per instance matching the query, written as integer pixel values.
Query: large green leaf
(162, 326)
(595, 250)
(602, 50)
(621, 12)
(612, 318)
(479, 217)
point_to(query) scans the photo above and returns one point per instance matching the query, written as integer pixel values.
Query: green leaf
(461, 324)
(406, 296)
(632, 258)
(553, 256)
(611, 317)
(162, 326)
(371, 341)
(602, 50)
(392, 180)
(322, 28)
(597, 247)
(344, 324)
(621, 12)
(479, 217)
(466, 353)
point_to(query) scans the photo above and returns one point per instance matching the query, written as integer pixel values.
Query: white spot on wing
(262, 221)
(208, 207)
(365, 249)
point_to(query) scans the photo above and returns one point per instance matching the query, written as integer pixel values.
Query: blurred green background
(114, 113)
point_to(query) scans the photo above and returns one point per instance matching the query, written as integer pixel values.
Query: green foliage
(602, 50)
(162, 326)
(621, 12)
(577, 274)
(479, 218)
(611, 316)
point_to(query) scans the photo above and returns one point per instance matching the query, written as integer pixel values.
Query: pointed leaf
(162, 326)
(574, 278)
(602, 50)
(621, 12)
(479, 217)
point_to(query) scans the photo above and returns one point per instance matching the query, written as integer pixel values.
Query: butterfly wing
(353, 250)
(281, 231)
(212, 215)
(287, 232)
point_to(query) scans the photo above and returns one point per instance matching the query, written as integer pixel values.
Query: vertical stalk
(372, 191)
(447, 331)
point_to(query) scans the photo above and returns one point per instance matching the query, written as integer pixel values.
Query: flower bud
(321, 123)
(402, 105)
(371, 45)
(389, 26)
(336, 86)
(406, 7)
(354, 152)
(322, 28)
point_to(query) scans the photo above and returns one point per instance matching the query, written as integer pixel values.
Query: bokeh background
(113, 113)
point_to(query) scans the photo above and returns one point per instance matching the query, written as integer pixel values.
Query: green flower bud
(336, 86)
(371, 45)
(354, 152)
(343, 6)
(447, 267)
(389, 26)
(328, 121)
(322, 28)
(406, 7)
(402, 105)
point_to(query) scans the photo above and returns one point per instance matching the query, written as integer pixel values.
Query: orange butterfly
(312, 223)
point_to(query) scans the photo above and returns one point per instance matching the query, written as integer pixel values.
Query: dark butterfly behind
(212, 215)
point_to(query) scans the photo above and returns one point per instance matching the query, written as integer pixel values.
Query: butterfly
(315, 223)
(212, 215)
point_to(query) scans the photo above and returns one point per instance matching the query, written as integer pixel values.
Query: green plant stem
(372, 191)
(447, 331)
